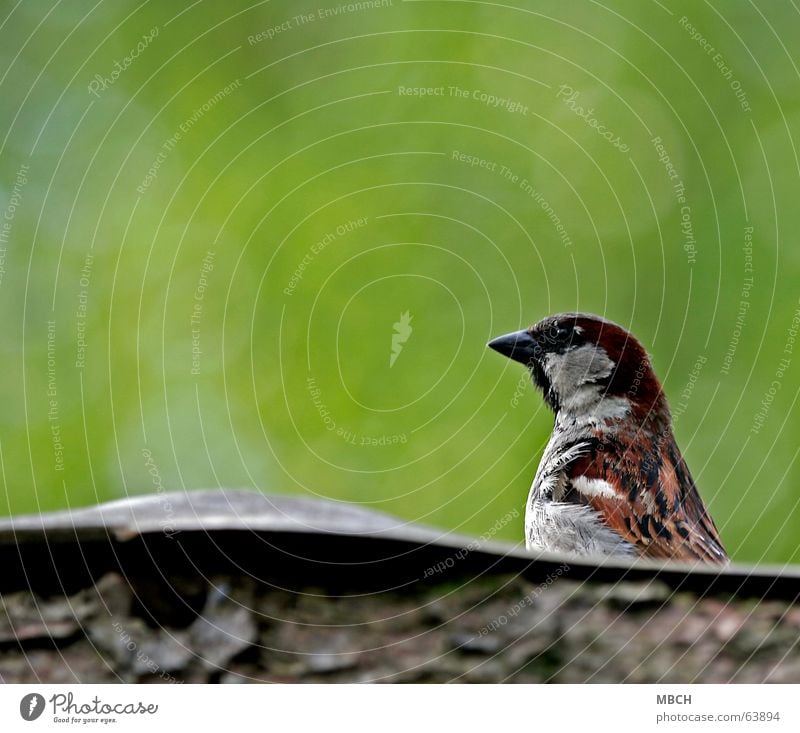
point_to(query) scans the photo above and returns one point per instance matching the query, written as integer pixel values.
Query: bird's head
(585, 364)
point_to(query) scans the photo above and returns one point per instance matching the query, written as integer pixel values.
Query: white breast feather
(594, 487)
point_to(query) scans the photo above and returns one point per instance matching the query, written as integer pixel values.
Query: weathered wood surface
(233, 586)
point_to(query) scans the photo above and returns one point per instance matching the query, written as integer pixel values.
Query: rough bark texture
(497, 629)
(209, 607)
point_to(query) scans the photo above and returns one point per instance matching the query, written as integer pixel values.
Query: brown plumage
(656, 507)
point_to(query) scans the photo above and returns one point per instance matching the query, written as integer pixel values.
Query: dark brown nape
(633, 376)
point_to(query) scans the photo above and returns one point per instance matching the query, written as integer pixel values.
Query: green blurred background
(213, 214)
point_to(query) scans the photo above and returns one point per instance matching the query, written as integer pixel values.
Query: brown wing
(650, 500)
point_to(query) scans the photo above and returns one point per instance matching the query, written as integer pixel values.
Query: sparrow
(611, 480)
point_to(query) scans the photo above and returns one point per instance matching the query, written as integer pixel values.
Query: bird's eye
(557, 335)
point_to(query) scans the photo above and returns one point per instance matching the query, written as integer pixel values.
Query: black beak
(519, 346)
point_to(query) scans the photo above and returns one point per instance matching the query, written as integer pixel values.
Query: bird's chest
(555, 525)
(550, 482)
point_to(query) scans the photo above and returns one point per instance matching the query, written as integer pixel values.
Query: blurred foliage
(276, 143)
